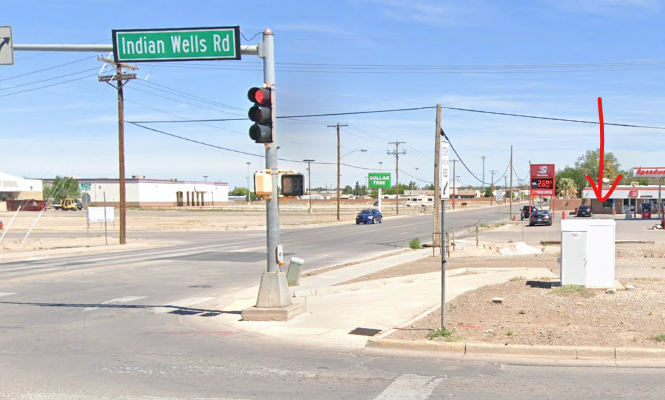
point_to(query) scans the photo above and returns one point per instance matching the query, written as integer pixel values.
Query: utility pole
(483, 157)
(120, 78)
(436, 229)
(396, 153)
(454, 183)
(511, 183)
(338, 163)
(309, 183)
(491, 184)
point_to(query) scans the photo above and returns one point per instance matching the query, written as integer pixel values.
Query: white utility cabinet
(587, 252)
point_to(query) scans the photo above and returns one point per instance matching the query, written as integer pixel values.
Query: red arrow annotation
(599, 190)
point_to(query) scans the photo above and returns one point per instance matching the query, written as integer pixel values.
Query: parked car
(584, 211)
(376, 203)
(526, 211)
(369, 216)
(540, 217)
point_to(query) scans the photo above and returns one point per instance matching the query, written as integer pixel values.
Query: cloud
(315, 28)
(426, 12)
(608, 6)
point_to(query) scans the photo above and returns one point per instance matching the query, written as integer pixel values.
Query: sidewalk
(374, 306)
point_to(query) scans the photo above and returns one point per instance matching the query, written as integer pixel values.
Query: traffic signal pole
(273, 290)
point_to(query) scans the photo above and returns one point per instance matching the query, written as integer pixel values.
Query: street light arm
(361, 150)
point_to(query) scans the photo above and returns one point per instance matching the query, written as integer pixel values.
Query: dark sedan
(540, 217)
(584, 211)
(369, 216)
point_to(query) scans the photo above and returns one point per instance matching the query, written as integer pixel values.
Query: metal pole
(436, 240)
(454, 184)
(443, 267)
(249, 192)
(309, 182)
(272, 209)
(510, 214)
(483, 157)
(121, 158)
(106, 232)
(100, 48)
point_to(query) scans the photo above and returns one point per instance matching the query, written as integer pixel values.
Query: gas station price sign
(540, 183)
(543, 181)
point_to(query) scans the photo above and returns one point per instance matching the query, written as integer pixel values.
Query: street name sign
(379, 180)
(85, 186)
(177, 44)
(6, 46)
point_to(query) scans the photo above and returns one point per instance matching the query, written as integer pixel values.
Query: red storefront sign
(633, 194)
(543, 180)
(649, 172)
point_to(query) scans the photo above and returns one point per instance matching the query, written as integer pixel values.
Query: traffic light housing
(261, 114)
(293, 185)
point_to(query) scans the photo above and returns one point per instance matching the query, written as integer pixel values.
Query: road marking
(174, 306)
(408, 386)
(118, 300)
(6, 294)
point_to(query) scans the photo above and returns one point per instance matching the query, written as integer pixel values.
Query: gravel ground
(531, 313)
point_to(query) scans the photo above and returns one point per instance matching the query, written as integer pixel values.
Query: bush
(444, 333)
(415, 244)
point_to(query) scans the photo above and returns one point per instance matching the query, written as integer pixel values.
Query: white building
(13, 187)
(141, 192)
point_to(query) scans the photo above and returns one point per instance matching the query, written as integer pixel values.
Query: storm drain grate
(364, 331)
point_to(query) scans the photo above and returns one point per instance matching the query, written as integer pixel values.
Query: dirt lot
(532, 313)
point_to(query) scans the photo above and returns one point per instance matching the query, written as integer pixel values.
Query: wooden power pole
(121, 78)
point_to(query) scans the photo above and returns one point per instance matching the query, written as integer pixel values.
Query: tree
(566, 187)
(488, 192)
(577, 176)
(588, 164)
(241, 191)
(61, 188)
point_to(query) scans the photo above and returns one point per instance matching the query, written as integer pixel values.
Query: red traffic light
(259, 95)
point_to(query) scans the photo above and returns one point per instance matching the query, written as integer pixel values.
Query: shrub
(415, 244)
(444, 333)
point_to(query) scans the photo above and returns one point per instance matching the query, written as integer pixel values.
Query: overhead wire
(48, 68)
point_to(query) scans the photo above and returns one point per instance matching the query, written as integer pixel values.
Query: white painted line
(6, 294)
(361, 242)
(118, 300)
(411, 387)
(180, 303)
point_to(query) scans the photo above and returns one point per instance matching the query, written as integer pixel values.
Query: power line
(48, 69)
(49, 79)
(46, 86)
(429, 108)
(460, 158)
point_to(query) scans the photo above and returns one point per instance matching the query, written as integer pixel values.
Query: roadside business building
(142, 192)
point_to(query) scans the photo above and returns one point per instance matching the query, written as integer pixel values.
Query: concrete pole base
(274, 300)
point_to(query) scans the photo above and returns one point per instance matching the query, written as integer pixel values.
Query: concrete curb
(569, 352)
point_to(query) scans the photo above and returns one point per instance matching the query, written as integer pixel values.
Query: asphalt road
(136, 325)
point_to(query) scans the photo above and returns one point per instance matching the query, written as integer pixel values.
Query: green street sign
(178, 44)
(379, 180)
(84, 186)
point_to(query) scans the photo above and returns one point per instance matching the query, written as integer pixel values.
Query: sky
(545, 58)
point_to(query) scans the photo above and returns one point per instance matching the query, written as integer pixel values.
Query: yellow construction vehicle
(70, 204)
